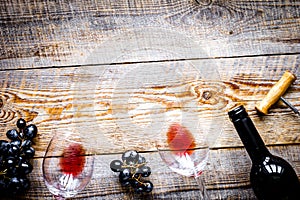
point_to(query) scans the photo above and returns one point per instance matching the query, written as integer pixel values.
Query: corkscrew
(276, 93)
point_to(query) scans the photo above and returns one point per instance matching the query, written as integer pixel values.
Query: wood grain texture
(226, 177)
(129, 106)
(119, 72)
(39, 34)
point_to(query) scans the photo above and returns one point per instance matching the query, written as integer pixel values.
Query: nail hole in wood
(1, 103)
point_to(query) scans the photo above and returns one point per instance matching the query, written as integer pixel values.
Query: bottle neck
(249, 135)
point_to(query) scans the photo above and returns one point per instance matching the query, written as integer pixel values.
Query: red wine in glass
(72, 161)
(67, 165)
(177, 148)
(180, 140)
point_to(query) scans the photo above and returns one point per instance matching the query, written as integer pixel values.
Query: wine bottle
(271, 177)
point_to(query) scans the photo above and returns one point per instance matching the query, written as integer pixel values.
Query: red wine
(271, 177)
(180, 139)
(73, 159)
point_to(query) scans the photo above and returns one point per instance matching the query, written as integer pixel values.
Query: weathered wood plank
(120, 71)
(39, 34)
(226, 177)
(129, 106)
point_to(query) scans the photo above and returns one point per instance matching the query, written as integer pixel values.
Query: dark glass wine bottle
(271, 177)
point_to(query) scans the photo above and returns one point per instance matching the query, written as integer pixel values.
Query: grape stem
(3, 172)
(137, 179)
(203, 191)
(134, 165)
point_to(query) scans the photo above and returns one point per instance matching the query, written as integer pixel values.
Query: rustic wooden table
(122, 70)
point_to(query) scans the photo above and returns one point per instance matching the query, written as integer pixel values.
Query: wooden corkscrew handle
(276, 92)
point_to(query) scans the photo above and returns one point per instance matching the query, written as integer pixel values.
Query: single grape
(141, 160)
(25, 167)
(130, 157)
(116, 165)
(148, 186)
(21, 123)
(127, 172)
(139, 188)
(3, 184)
(10, 162)
(29, 152)
(4, 147)
(26, 144)
(16, 142)
(30, 131)
(25, 183)
(125, 183)
(20, 159)
(124, 179)
(1, 163)
(14, 185)
(144, 171)
(12, 171)
(137, 175)
(12, 134)
(134, 182)
(13, 150)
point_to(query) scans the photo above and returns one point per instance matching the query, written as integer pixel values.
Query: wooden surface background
(120, 71)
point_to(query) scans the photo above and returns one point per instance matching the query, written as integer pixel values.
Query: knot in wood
(204, 2)
(206, 95)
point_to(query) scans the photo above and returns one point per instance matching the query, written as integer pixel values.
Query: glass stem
(203, 191)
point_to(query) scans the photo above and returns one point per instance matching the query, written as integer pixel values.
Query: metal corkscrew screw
(276, 93)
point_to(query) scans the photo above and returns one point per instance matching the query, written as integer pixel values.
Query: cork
(276, 92)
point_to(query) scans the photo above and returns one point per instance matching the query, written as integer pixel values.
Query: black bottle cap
(237, 113)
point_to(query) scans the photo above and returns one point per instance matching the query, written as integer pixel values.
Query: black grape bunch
(15, 156)
(132, 170)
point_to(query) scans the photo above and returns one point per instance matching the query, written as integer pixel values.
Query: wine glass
(67, 165)
(184, 152)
